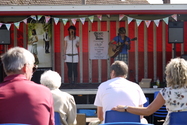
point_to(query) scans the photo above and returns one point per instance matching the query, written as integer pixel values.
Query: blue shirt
(118, 39)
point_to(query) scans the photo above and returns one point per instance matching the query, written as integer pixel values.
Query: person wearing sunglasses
(21, 100)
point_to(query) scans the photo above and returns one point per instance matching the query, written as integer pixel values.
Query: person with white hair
(21, 100)
(64, 103)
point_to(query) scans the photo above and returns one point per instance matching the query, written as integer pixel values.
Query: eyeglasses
(34, 68)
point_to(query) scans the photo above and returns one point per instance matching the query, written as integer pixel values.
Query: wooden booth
(161, 32)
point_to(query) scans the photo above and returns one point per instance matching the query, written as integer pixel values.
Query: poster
(98, 45)
(39, 43)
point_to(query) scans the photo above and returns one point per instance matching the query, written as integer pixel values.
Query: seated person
(118, 90)
(21, 100)
(64, 103)
(173, 96)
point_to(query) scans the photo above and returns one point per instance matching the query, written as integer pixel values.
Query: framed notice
(98, 44)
